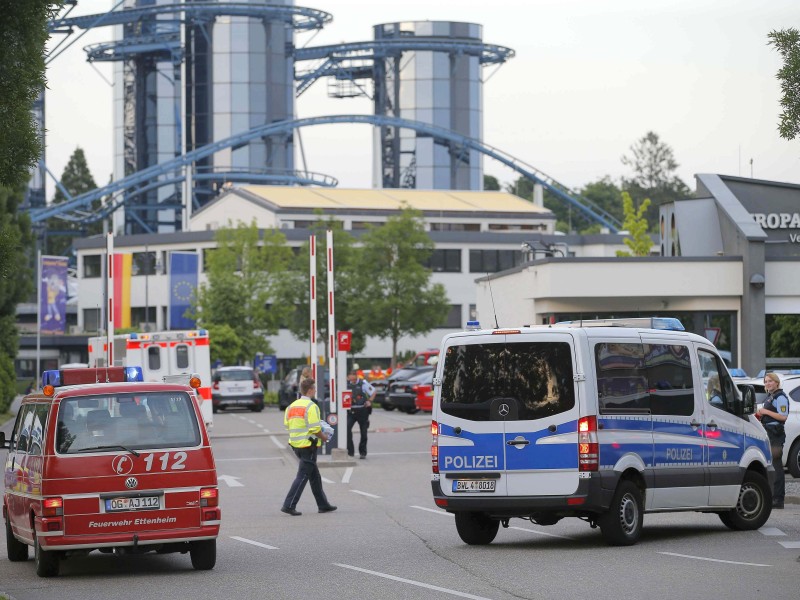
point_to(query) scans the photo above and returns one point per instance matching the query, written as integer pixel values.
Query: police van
(101, 460)
(600, 420)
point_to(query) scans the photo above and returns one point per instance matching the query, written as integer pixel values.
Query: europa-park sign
(785, 224)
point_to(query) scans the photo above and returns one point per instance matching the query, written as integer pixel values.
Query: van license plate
(474, 485)
(140, 503)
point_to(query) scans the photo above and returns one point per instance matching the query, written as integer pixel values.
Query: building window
(92, 266)
(142, 315)
(492, 261)
(453, 319)
(144, 263)
(445, 261)
(516, 227)
(455, 226)
(361, 225)
(91, 319)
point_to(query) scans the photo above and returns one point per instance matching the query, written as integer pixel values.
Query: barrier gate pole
(312, 267)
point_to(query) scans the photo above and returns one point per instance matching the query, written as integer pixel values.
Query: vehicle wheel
(753, 506)
(203, 554)
(259, 406)
(476, 528)
(17, 551)
(793, 459)
(412, 411)
(215, 409)
(46, 560)
(621, 525)
(387, 406)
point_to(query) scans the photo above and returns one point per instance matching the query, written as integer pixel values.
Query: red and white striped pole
(110, 294)
(332, 346)
(312, 269)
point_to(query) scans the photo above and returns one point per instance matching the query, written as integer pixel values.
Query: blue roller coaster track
(153, 176)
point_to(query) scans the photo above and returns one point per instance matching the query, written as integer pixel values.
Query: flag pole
(38, 313)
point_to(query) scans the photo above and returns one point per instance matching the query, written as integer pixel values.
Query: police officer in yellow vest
(305, 437)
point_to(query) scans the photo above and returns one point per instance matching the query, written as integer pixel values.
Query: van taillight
(209, 497)
(588, 448)
(256, 384)
(215, 385)
(52, 507)
(435, 446)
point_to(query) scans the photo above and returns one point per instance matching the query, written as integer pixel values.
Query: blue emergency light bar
(473, 325)
(62, 377)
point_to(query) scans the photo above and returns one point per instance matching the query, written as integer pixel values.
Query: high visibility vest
(301, 419)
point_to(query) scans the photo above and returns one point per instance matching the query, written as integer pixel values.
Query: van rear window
(134, 421)
(536, 377)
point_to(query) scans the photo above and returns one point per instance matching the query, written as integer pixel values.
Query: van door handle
(711, 425)
(695, 424)
(518, 441)
(552, 428)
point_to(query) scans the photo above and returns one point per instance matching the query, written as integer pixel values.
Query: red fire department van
(101, 460)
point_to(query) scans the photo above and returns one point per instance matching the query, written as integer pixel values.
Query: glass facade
(439, 88)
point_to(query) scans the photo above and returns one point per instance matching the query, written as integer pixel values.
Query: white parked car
(790, 384)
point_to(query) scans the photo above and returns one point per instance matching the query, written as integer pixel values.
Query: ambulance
(102, 460)
(600, 420)
(162, 354)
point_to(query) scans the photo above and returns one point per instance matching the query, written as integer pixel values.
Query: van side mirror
(748, 399)
(3, 442)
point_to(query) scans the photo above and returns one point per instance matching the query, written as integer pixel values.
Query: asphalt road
(389, 541)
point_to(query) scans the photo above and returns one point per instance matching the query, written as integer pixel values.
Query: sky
(588, 80)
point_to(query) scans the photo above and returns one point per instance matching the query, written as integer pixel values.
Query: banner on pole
(123, 266)
(53, 308)
(182, 288)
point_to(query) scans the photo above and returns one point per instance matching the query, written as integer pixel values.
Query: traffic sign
(266, 363)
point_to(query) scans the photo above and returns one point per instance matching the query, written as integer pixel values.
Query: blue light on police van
(51, 378)
(473, 325)
(668, 323)
(134, 374)
(134, 336)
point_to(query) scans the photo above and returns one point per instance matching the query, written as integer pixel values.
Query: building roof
(303, 199)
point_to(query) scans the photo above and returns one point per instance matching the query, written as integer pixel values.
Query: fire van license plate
(139, 503)
(474, 485)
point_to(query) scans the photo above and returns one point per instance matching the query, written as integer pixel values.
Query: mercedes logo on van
(503, 410)
(131, 483)
(122, 464)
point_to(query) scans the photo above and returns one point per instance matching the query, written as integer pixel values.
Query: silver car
(236, 386)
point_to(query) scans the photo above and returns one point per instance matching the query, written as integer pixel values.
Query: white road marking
(248, 458)
(251, 421)
(259, 544)
(537, 532)
(230, 480)
(347, 473)
(412, 582)
(326, 480)
(278, 443)
(790, 545)
(397, 453)
(434, 511)
(365, 494)
(727, 562)
(771, 531)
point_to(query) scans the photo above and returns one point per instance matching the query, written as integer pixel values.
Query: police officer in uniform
(305, 437)
(773, 415)
(363, 393)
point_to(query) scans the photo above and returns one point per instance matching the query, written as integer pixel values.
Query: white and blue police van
(600, 420)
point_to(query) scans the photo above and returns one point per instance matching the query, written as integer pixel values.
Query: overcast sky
(589, 78)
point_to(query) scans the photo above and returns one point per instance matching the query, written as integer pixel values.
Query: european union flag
(182, 287)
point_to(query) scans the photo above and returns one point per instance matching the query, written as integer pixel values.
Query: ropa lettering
(470, 462)
(777, 220)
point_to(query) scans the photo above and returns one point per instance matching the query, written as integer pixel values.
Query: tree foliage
(787, 43)
(16, 283)
(639, 240)
(654, 175)
(783, 339)
(77, 179)
(244, 275)
(23, 34)
(395, 295)
(490, 183)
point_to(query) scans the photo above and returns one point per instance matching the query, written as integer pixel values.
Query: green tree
(23, 34)
(244, 273)
(491, 183)
(639, 240)
(653, 164)
(77, 179)
(16, 283)
(295, 286)
(226, 344)
(787, 43)
(605, 194)
(396, 296)
(784, 341)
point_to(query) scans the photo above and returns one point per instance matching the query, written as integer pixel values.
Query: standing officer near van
(363, 393)
(773, 415)
(305, 436)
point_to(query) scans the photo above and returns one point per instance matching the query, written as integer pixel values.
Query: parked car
(790, 384)
(424, 400)
(382, 385)
(403, 392)
(738, 373)
(236, 386)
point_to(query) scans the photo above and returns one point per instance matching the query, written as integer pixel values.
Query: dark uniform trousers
(307, 471)
(360, 416)
(777, 438)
